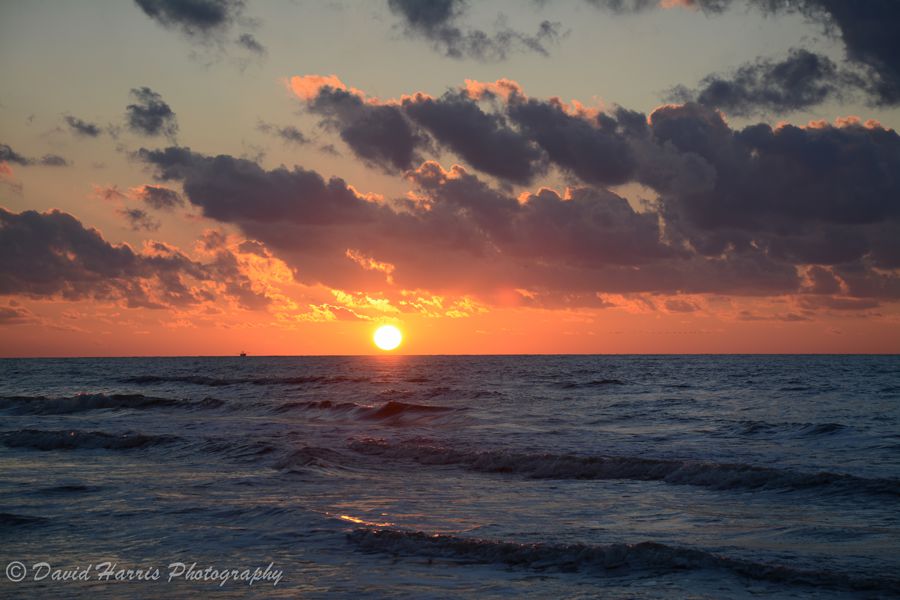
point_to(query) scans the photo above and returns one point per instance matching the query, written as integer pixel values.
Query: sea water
(451, 476)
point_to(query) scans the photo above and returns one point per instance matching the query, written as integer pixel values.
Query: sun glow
(387, 337)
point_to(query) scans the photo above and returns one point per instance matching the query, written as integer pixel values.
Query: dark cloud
(139, 220)
(52, 255)
(869, 32)
(461, 234)
(751, 211)
(768, 198)
(150, 115)
(802, 80)
(379, 134)
(221, 186)
(208, 24)
(823, 194)
(288, 133)
(15, 315)
(8, 155)
(160, 198)
(437, 22)
(514, 145)
(52, 160)
(193, 17)
(484, 140)
(83, 128)
(588, 227)
(249, 42)
(588, 236)
(592, 147)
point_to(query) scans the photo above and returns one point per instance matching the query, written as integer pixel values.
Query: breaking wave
(609, 560)
(717, 476)
(42, 405)
(394, 409)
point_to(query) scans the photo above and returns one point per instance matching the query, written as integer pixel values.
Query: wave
(65, 489)
(225, 381)
(10, 520)
(395, 409)
(240, 450)
(309, 457)
(42, 405)
(36, 439)
(717, 476)
(320, 405)
(392, 412)
(609, 560)
(797, 429)
(594, 383)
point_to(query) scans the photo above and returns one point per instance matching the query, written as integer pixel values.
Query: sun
(387, 337)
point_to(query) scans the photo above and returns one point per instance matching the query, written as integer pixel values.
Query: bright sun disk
(387, 337)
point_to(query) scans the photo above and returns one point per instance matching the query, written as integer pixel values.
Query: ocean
(451, 476)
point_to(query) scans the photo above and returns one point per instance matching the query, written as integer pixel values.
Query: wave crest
(42, 405)
(611, 559)
(718, 476)
(37, 439)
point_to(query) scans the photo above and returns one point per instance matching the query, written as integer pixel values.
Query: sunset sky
(182, 177)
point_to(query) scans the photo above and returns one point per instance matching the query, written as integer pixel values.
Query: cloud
(249, 42)
(821, 194)
(593, 147)
(751, 206)
(437, 22)
(801, 80)
(514, 145)
(869, 33)
(8, 155)
(208, 24)
(83, 128)
(158, 197)
(150, 115)
(379, 134)
(484, 140)
(139, 220)
(458, 234)
(51, 255)
(194, 18)
(287, 133)
(52, 160)
(16, 315)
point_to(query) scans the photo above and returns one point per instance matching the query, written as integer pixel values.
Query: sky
(206, 177)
